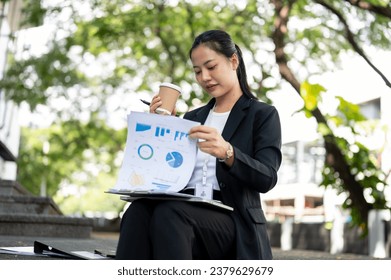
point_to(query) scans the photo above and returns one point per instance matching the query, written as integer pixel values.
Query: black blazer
(254, 131)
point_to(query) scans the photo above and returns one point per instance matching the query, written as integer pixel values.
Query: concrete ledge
(103, 244)
(45, 225)
(28, 205)
(315, 236)
(9, 187)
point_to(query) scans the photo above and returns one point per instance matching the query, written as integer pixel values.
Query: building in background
(298, 194)
(10, 18)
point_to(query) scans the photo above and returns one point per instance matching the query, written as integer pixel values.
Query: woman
(239, 155)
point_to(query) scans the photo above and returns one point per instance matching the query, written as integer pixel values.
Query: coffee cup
(169, 94)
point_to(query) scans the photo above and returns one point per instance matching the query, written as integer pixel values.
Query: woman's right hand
(155, 103)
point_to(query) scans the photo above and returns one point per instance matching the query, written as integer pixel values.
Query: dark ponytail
(221, 42)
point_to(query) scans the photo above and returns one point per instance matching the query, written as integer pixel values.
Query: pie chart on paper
(174, 159)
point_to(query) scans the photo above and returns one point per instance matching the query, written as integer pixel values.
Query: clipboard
(130, 196)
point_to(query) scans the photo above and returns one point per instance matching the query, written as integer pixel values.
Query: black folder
(66, 251)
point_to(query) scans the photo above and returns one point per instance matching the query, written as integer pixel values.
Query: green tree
(338, 162)
(72, 153)
(139, 43)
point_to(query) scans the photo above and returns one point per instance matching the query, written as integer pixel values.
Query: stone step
(12, 188)
(45, 226)
(28, 205)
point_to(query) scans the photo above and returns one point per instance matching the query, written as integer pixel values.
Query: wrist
(228, 153)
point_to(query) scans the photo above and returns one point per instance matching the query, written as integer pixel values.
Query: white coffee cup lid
(177, 88)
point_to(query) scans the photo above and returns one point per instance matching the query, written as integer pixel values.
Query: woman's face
(214, 72)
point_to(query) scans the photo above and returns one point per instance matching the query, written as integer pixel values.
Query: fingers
(200, 132)
(209, 140)
(155, 103)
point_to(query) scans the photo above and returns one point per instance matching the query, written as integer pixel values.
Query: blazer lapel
(235, 117)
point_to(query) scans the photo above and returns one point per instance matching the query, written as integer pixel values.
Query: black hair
(221, 42)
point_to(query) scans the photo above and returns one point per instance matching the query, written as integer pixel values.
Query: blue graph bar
(180, 135)
(142, 127)
(161, 186)
(161, 131)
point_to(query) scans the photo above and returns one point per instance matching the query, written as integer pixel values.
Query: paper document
(159, 155)
(23, 251)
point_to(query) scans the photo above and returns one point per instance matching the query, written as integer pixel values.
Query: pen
(145, 102)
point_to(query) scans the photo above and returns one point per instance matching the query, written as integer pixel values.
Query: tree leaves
(71, 147)
(311, 94)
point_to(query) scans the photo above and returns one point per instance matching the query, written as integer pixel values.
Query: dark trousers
(162, 230)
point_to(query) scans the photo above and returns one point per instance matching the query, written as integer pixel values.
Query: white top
(216, 120)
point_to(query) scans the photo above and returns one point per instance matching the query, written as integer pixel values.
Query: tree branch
(335, 157)
(280, 29)
(165, 45)
(351, 39)
(379, 10)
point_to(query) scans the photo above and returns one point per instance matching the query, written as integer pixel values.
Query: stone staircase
(23, 214)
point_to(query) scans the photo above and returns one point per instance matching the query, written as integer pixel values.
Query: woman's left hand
(210, 140)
